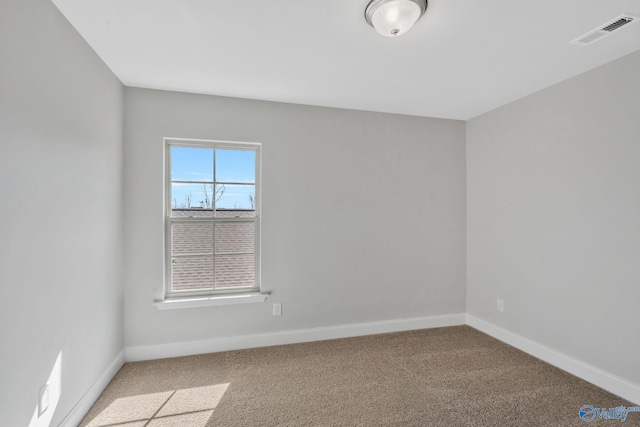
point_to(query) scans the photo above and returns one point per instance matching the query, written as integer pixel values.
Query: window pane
(237, 198)
(236, 166)
(191, 199)
(234, 237)
(191, 273)
(191, 164)
(191, 238)
(207, 187)
(235, 271)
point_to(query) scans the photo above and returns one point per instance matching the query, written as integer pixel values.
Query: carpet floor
(452, 376)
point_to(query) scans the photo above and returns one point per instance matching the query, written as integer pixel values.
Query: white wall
(363, 214)
(553, 184)
(60, 196)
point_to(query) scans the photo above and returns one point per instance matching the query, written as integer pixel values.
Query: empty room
(331, 213)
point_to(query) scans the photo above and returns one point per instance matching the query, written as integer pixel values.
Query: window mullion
(194, 255)
(213, 203)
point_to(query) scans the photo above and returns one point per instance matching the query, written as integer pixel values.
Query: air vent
(605, 30)
(619, 23)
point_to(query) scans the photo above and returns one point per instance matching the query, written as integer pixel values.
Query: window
(212, 218)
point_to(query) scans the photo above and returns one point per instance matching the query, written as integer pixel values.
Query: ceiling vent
(605, 29)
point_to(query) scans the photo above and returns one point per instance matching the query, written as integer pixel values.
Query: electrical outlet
(501, 306)
(43, 399)
(277, 308)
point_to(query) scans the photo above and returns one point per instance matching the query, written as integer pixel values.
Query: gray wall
(363, 214)
(553, 202)
(61, 228)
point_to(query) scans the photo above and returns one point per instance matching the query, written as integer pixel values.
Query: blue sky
(196, 164)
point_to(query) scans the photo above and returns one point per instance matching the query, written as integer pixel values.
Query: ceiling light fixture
(392, 18)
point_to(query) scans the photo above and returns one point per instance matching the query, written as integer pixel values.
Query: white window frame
(209, 296)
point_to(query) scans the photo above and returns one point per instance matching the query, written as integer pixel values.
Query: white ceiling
(463, 58)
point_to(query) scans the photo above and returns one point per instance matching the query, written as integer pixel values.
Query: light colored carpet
(453, 376)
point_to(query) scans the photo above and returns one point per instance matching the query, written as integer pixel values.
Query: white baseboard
(602, 379)
(83, 406)
(290, 337)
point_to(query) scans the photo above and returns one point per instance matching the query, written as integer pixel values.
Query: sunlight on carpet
(192, 407)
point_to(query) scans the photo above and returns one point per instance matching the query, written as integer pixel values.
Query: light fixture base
(375, 5)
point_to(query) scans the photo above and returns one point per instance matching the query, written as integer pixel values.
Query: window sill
(206, 301)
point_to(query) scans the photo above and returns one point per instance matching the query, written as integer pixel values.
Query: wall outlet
(43, 399)
(277, 308)
(501, 306)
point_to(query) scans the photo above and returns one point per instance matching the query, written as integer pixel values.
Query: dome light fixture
(392, 18)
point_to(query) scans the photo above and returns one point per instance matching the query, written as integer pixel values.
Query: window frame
(256, 147)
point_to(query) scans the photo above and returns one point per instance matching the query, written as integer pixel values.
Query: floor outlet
(277, 308)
